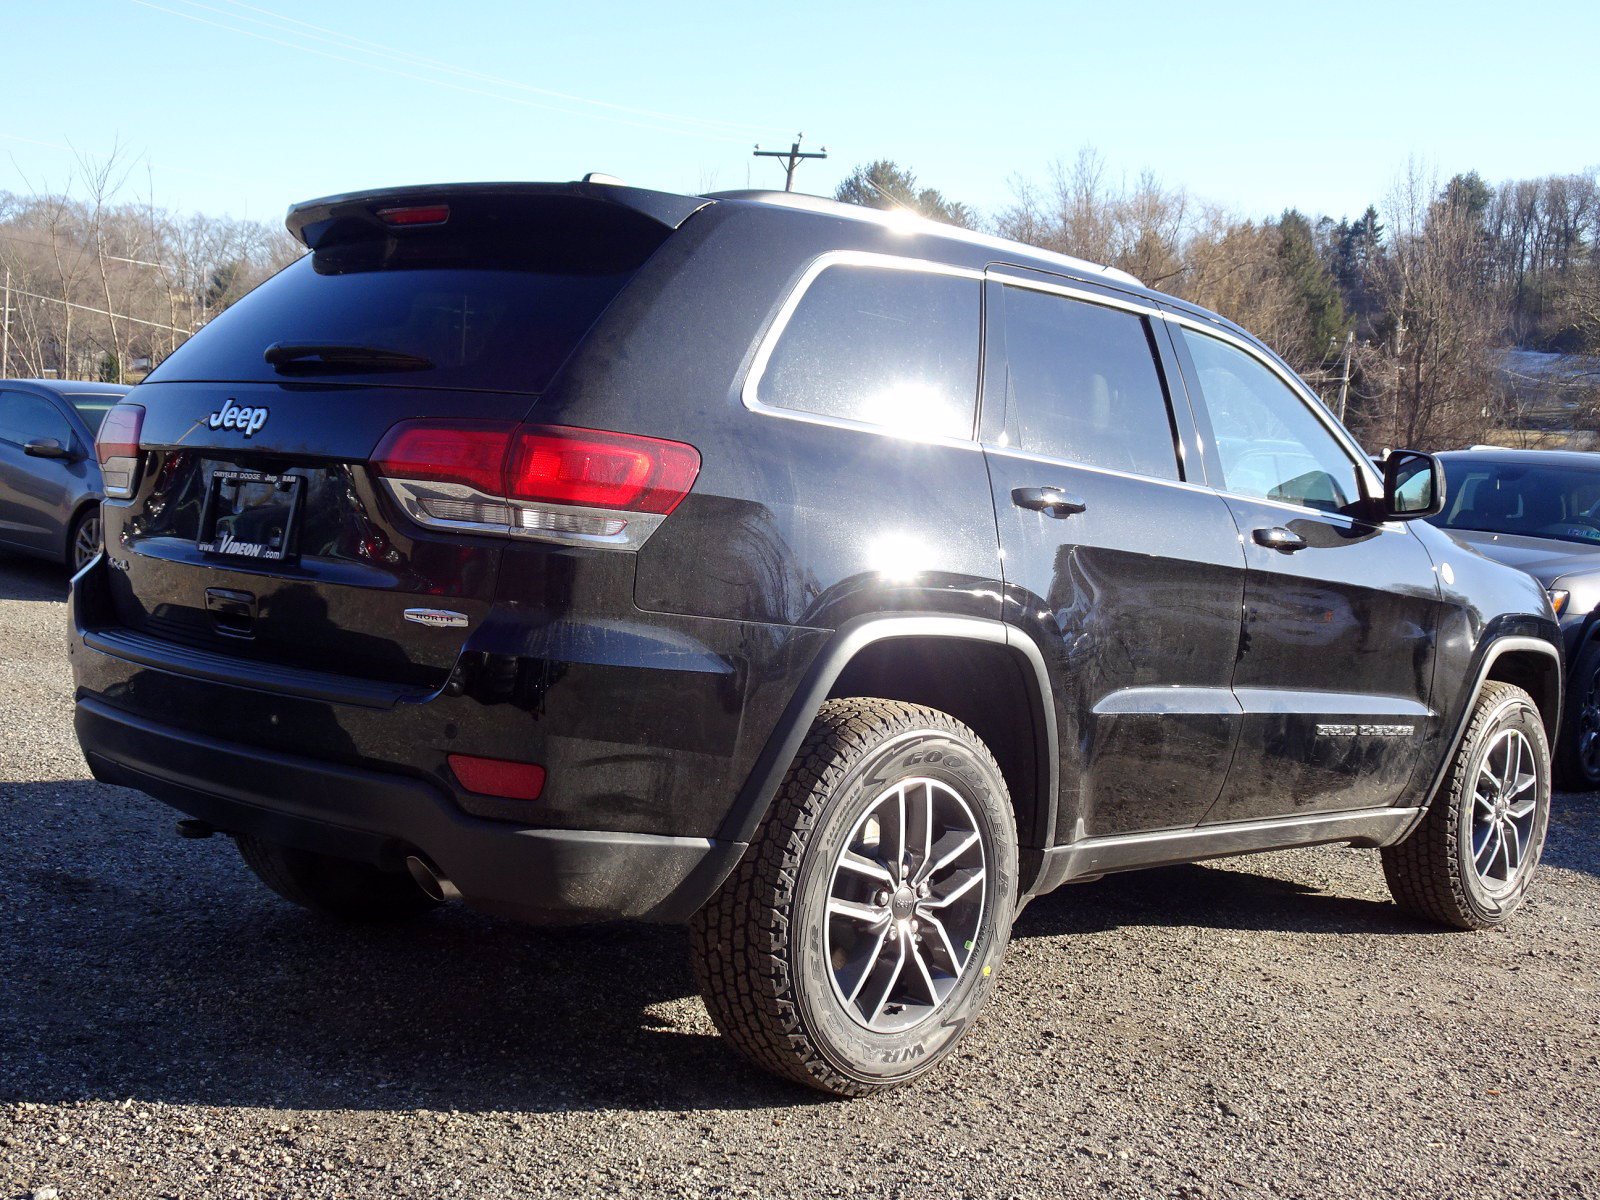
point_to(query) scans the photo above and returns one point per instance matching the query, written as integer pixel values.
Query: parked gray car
(1539, 511)
(49, 480)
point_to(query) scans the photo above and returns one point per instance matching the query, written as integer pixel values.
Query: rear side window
(1082, 384)
(490, 305)
(885, 346)
(25, 418)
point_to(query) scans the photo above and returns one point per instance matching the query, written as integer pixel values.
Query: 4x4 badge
(439, 618)
(234, 416)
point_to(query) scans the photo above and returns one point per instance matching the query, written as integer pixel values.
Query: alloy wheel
(905, 904)
(86, 543)
(1505, 801)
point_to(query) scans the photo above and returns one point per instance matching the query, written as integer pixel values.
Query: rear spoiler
(333, 218)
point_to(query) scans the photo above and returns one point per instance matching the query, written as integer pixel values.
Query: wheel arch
(1532, 664)
(979, 671)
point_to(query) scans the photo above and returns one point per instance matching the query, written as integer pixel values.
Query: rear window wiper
(314, 357)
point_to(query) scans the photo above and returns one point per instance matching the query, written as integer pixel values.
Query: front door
(1126, 574)
(1340, 614)
(35, 493)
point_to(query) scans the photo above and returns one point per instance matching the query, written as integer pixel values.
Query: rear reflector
(498, 776)
(117, 449)
(553, 483)
(416, 214)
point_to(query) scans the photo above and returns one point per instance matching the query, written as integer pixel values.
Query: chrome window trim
(1053, 460)
(749, 393)
(1299, 388)
(1002, 273)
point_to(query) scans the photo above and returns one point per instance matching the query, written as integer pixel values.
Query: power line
(101, 311)
(655, 127)
(450, 68)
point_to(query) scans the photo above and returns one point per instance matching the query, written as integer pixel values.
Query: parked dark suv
(833, 581)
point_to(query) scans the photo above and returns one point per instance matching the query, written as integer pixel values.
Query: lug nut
(923, 890)
(881, 899)
(915, 927)
(894, 933)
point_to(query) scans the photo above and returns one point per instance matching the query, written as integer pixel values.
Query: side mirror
(46, 448)
(1413, 485)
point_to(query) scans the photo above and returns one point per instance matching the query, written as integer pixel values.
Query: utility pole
(792, 158)
(1344, 375)
(5, 321)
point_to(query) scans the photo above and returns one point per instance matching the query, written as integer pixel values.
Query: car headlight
(1558, 599)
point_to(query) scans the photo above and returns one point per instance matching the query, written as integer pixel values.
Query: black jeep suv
(830, 580)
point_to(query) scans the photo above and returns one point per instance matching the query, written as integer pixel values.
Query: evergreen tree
(1312, 284)
(887, 185)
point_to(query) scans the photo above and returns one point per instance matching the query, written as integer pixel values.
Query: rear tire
(857, 940)
(1471, 860)
(335, 887)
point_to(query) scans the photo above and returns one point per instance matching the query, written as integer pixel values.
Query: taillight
(579, 486)
(117, 449)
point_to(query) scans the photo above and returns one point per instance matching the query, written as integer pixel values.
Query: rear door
(1340, 614)
(36, 493)
(258, 528)
(1125, 570)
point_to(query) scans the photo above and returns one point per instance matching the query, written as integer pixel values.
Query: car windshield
(1530, 500)
(93, 407)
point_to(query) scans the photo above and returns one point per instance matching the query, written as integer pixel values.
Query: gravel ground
(1267, 1026)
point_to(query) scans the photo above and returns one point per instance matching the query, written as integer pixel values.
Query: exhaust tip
(433, 884)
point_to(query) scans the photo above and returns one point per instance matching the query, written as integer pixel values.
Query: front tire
(335, 887)
(858, 938)
(1578, 751)
(1471, 860)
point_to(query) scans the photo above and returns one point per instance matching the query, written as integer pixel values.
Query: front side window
(890, 347)
(1270, 444)
(1082, 384)
(25, 418)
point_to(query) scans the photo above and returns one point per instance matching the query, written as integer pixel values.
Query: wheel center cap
(904, 902)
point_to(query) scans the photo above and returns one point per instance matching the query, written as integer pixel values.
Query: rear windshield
(486, 309)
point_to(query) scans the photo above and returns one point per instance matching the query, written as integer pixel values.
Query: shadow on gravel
(1574, 838)
(1211, 896)
(31, 578)
(134, 965)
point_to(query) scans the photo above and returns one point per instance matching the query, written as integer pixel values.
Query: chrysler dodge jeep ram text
(827, 579)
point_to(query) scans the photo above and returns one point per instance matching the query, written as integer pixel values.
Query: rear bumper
(546, 876)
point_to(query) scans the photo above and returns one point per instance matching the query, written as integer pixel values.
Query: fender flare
(1490, 651)
(755, 797)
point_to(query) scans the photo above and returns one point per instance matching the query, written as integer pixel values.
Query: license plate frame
(259, 520)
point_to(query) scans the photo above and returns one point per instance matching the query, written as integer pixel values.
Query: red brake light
(538, 481)
(415, 214)
(119, 433)
(498, 776)
(442, 452)
(595, 469)
(116, 447)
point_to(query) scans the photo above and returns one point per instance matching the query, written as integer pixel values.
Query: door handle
(1051, 501)
(1286, 541)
